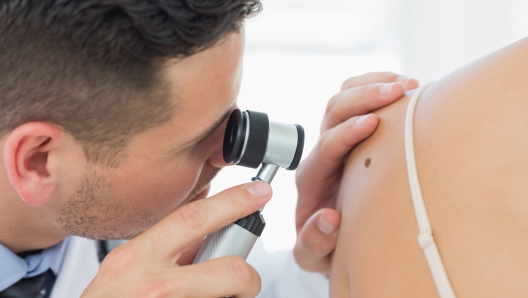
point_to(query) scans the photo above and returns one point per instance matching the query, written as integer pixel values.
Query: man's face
(169, 165)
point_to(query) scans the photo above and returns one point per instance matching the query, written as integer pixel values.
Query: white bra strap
(425, 238)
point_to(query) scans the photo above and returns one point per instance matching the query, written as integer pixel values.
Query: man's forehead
(204, 87)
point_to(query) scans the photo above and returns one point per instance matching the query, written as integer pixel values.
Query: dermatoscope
(251, 140)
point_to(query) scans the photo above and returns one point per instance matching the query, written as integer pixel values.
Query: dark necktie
(32, 287)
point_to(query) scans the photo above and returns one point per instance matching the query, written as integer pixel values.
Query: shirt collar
(13, 268)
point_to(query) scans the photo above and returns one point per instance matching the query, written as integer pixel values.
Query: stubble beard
(200, 186)
(87, 214)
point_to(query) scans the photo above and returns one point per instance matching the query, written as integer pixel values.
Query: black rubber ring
(234, 136)
(253, 223)
(299, 150)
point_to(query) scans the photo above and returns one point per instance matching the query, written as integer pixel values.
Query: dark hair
(95, 67)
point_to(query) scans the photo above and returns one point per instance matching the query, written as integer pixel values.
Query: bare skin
(318, 177)
(45, 173)
(50, 191)
(472, 161)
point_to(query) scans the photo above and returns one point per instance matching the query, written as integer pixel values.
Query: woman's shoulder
(471, 142)
(377, 239)
(471, 146)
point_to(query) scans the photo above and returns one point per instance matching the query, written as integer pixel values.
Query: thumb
(317, 240)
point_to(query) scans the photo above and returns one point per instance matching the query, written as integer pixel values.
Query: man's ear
(28, 152)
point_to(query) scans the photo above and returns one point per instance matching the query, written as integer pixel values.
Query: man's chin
(199, 194)
(202, 189)
(202, 194)
(120, 229)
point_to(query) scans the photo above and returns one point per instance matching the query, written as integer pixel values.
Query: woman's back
(471, 143)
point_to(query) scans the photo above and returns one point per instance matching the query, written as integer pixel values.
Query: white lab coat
(79, 267)
(281, 276)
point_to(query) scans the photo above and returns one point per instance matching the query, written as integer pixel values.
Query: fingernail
(385, 89)
(405, 81)
(259, 189)
(362, 119)
(325, 226)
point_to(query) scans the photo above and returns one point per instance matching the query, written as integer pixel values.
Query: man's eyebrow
(214, 127)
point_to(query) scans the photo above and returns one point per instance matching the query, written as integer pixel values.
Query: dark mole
(367, 162)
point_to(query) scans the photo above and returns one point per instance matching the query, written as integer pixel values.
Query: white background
(298, 52)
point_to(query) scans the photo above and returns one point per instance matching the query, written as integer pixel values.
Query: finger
(228, 276)
(380, 77)
(358, 101)
(317, 240)
(326, 159)
(189, 224)
(335, 143)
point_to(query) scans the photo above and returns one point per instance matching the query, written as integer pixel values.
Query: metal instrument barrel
(228, 241)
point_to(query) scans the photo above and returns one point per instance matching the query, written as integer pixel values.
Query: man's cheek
(178, 186)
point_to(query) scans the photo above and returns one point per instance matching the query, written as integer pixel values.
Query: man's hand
(345, 124)
(148, 265)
